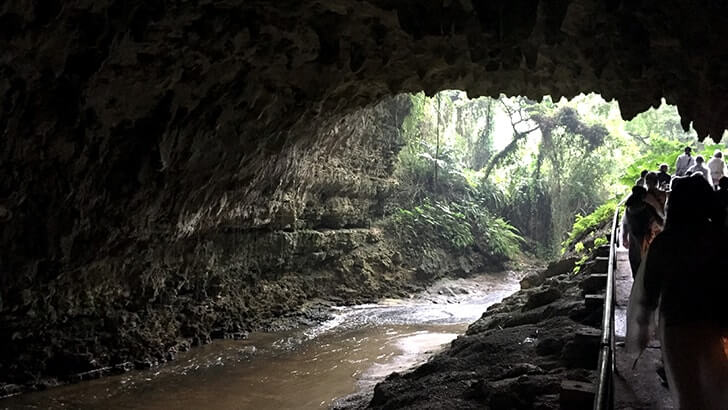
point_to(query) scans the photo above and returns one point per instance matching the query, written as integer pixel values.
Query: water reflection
(295, 369)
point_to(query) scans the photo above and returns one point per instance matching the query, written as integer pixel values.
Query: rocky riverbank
(301, 368)
(515, 356)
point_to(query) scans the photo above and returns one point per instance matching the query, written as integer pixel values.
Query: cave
(174, 171)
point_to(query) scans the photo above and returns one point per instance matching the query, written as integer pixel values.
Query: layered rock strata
(122, 298)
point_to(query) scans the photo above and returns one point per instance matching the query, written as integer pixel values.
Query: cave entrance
(181, 171)
(508, 173)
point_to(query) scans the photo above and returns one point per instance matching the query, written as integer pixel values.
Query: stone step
(576, 395)
(594, 300)
(589, 336)
(596, 265)
(594, 282)
(602, 251)
(601, 264)
(582, 351)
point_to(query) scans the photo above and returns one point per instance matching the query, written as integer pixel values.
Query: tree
(566, 154)
(523, 126)
(660, 122)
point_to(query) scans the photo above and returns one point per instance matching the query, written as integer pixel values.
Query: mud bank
(514, 357)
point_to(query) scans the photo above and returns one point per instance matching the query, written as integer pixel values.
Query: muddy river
(300, 369)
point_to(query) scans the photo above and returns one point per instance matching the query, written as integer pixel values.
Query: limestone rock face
(145, 142)
(112, 293)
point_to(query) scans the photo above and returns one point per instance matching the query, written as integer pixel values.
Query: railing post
(604, 398)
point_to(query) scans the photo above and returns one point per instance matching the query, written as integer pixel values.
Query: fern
(458, 226)
(585, 224)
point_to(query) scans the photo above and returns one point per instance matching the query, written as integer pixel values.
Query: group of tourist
(645, 208)
(713, 171)
(675, 230)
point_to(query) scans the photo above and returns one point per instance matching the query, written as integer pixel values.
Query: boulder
(520, 392)
(531, 280)
(519, 369)
(576, 394)
(541, 298)
(549, 346)
(560, 267)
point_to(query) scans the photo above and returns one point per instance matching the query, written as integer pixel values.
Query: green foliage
(457, 226)
(412, 128)
(500, 238)
(580, 263)
(528, 206)
(443, 135)
(490, 196)
(659, 150)
(416, 169)
(434, 222)
(600, 241)
(583, 225)
(581, 249)
(661, 122)
(559, 159)
(569, 170)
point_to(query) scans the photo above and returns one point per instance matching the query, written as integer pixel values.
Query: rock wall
(146, 294)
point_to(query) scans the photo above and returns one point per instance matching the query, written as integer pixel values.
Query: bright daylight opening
(518, 173)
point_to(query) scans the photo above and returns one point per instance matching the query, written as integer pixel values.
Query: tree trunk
(437, 144)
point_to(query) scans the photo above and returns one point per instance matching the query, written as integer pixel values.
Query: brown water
(303, 369)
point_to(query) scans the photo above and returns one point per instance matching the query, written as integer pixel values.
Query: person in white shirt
(684, 162)
(699, 167)
(716, 167)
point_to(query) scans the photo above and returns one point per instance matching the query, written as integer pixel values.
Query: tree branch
(518, 136)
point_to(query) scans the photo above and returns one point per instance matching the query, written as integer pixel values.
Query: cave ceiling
(169, 113)
(232, 67)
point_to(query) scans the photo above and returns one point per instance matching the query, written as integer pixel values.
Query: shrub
(501, 239)
(435, 222)
(583, 225)
(458, 226)
(599, 242)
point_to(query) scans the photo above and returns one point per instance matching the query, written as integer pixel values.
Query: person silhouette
(684, 162)
(700, 167)
(716, 165)
(640, 224)
(683, 277)
(663, 178)
(655, 196)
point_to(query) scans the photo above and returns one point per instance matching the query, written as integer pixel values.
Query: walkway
(640, 388)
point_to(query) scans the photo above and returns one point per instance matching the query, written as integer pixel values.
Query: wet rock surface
(302, 368)
(516, 356)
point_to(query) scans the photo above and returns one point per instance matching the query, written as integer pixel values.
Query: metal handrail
(604, 398)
